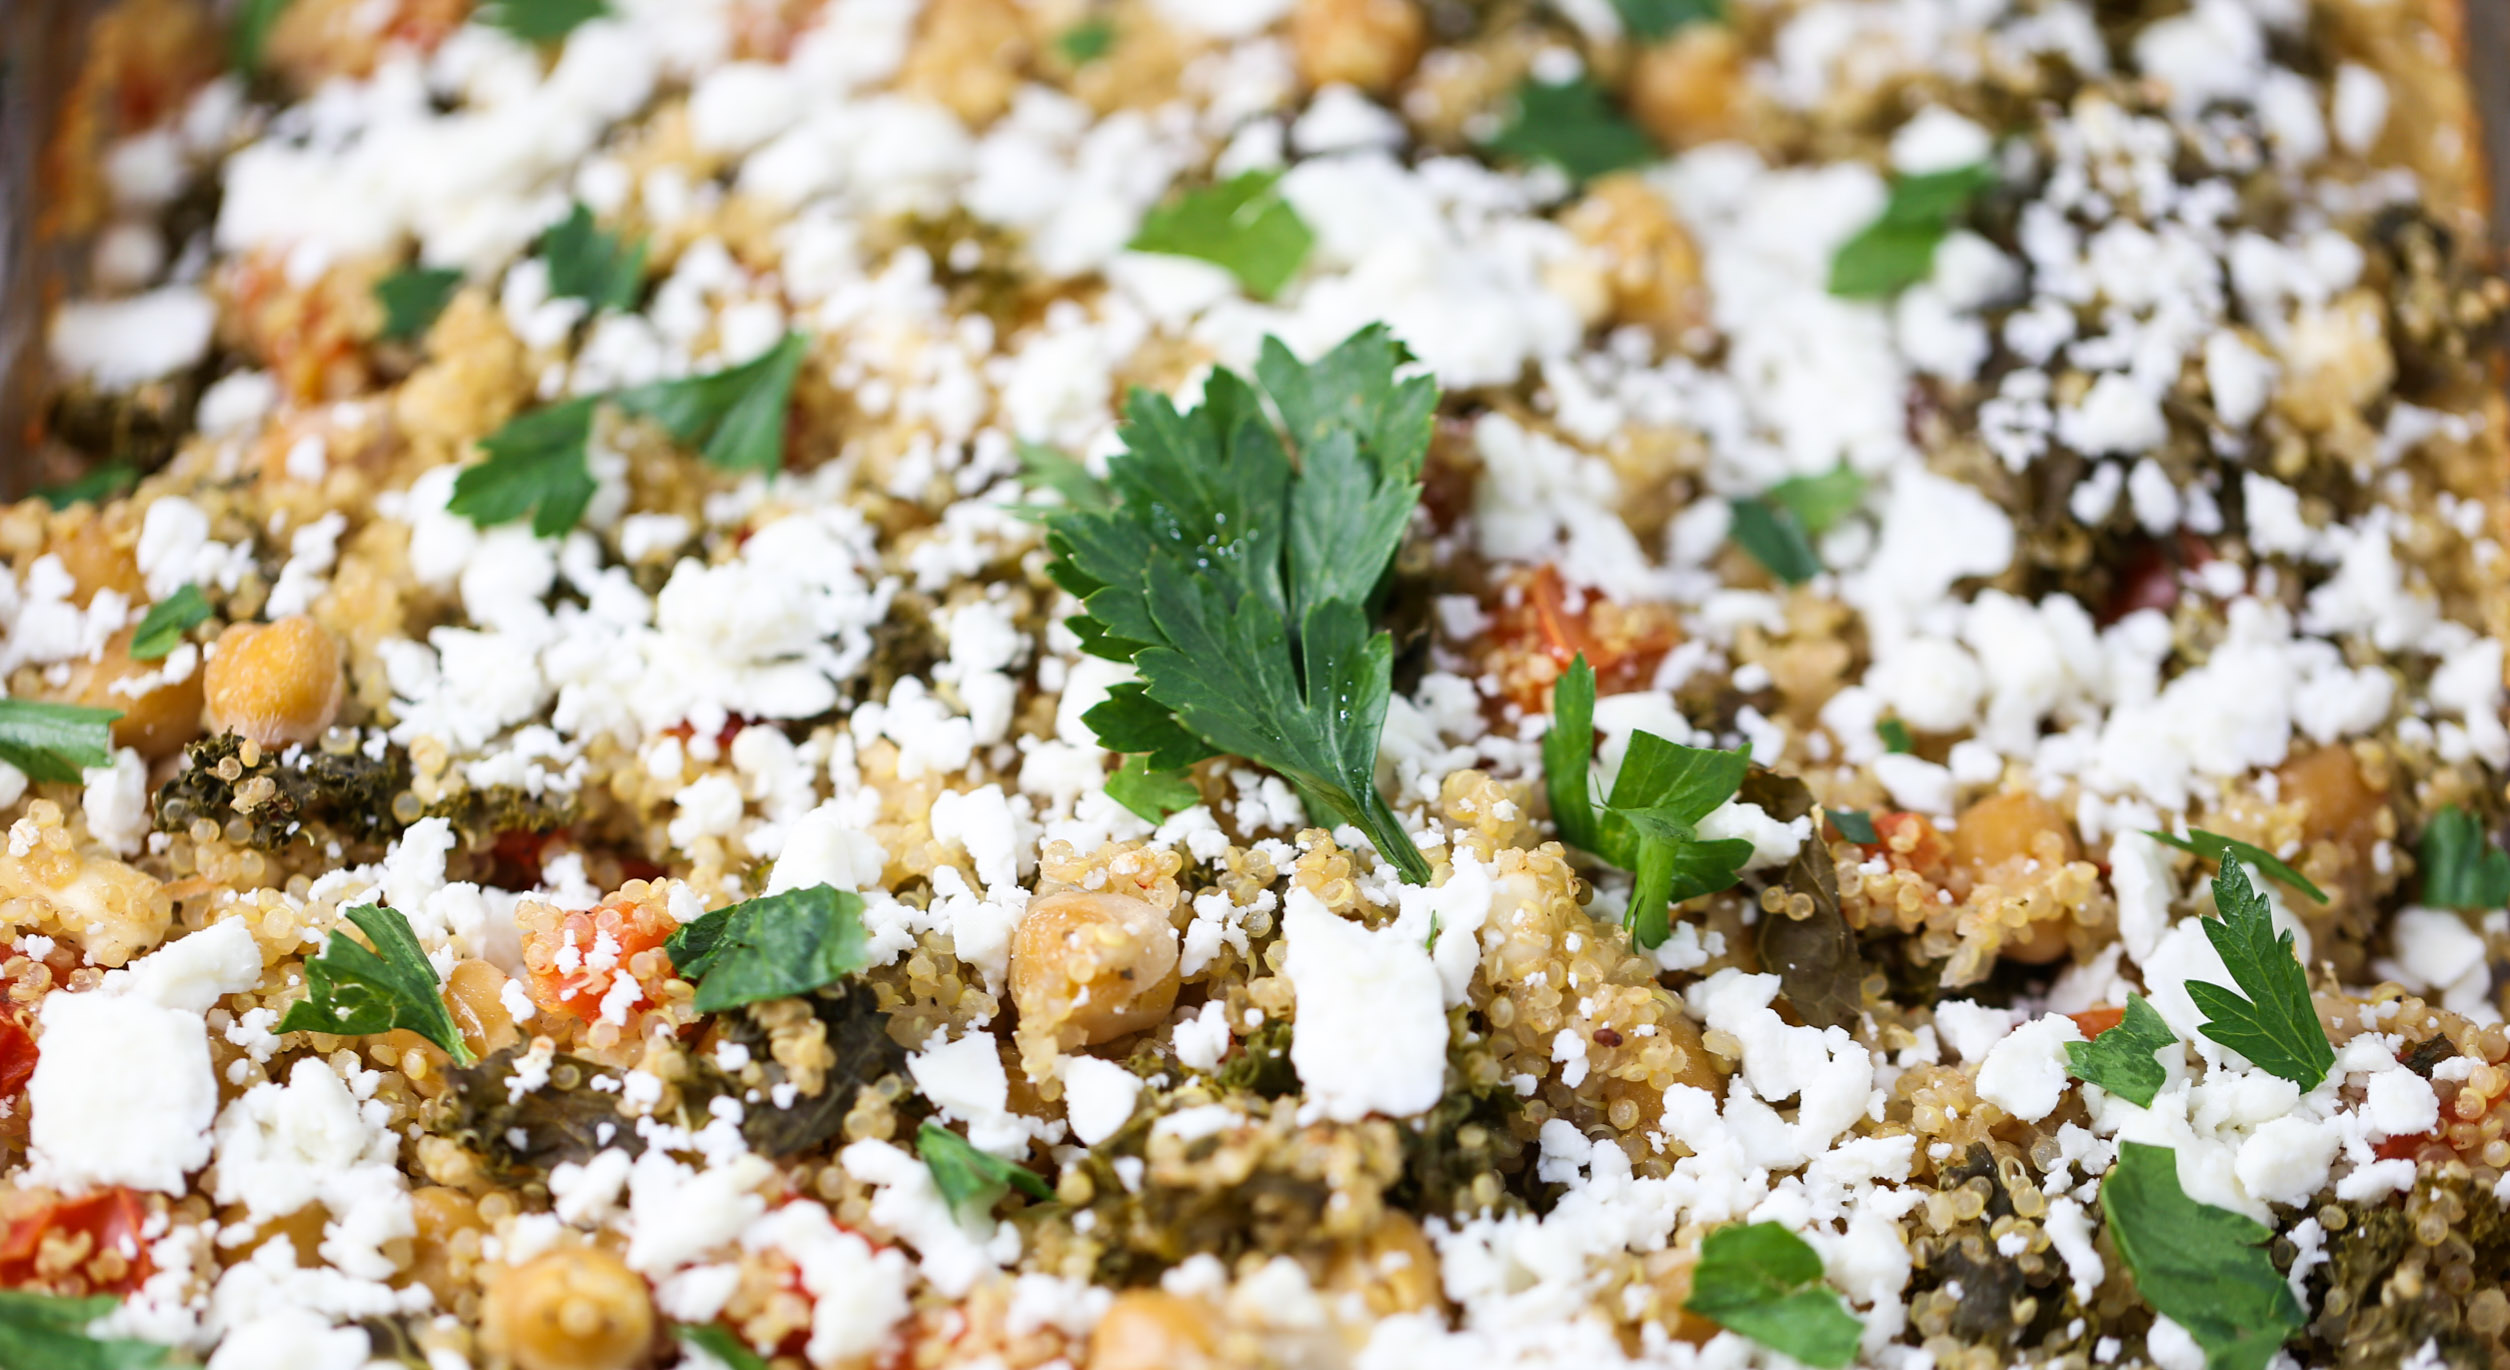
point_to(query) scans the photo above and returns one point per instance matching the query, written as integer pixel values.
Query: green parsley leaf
(1775, 538)
(539, 21)
(772, 947)
(973, 1181)
(2204, 1268)
(1653, 19)
(536, 465)
(49, 1332)
(1045, 468)
(1153, 795)
(1241, 225)
(1765, 1282)
(1238, 582)
(162, 628)
(2213, 846)
(95, 487)
(2122, 1059)
(1086, 41)
(412, 297)
(1569, 754)
(1897, 249)
(2461, 868)
(2275, 1026)
(1819, 502)
(351, 991)
(1574, 127)
(1895, 737)
(721, 1343)
(55, 741)
(1856, 825)
(590, 264)
(736, 415)
(254, 19)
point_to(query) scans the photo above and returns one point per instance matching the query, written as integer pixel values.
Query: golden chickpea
(95, 558)
(1687, 90)
(1092, 967)
(1651, 269)
(576, 1308)
(2016, 824)
(441, 1255)
(475, 991)
(157, 723)
(2338, 803)
(1669, 1280)
(276, 684)
(1371, 44)
(1394, 1269)
(1152, 1329)
(967, 55)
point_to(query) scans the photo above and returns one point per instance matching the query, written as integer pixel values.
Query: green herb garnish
(2462, 869)
(1044, 468)
(591, 264)
(2213, 846)
(1856, 825)
(95, 487)
(1574, 127)
(2122, 1059)
(539, 21)
(254, 19)
(49, 1332)
(1154, 796)
(1648, 826)
(2204, 1268)
(1897, 249)
(1819, 502)
(412, 297)
(1774, 538)
(734, 416)
(1895, 737)
(162, 628)
(719, 1342)
(973, 1181)
(1242, 225)
(2275, 1025)
(1239, 583)
(351, 991)
(55, 741)
(1086, 41)
(1649, 20)
(537, 464)
(1765, 1282)
(772, 947)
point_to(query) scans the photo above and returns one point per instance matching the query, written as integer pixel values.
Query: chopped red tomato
(17, 1055)
(573, 959)
(1624, 643)
(2095, 1021)
(95, 1237)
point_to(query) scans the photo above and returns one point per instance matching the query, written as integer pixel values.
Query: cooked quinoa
(595, 500)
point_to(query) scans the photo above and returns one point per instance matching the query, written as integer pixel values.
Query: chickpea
(1687, 90)
(576, 1308)
(442, 1254)
(275, 684)
(95, 558)
(2338, 802)
(1092, 967)
(1152, 1329)
(1651, 269)
(966, 55)
(1394, 1269)
(2017, 824)
(1669, 1279)
(157, 723)
(475, 991)
(1371, 44)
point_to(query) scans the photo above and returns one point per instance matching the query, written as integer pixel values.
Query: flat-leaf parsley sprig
(2204, 1268)
(351, 991)
(1765, 1282)
(1236, 565)
(2275, 1025)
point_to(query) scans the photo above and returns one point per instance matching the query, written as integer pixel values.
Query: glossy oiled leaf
(1242, 225)
(1766, 1282)
(2462, 869)
(2204, 1268)
(972, 1181)
(2122, 1060)
(2274, 1025)
(772, 947)
(49, 1332)
(734, 416)
(55, 741)
(538, 465)
(351, 991)
(162, 628)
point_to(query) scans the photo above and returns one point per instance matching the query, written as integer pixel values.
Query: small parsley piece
(1775, 538)
(1044, 468)
(254, 19)
(1238, 582)
(55, 741)
(1242, 225)
(49, 1332)
(162, 628)
(1152, 795)
(1897, 249)
(538, 465)
(1765, 1282)
(412, 297)
(95, 487)
(2204, 1268)
(352, 991)
(1650, 20)
(2213, 846)
(1086, 41)
(1648, 826)
(1856, 825)
(539, 21)
(1574, 127)
(1819, 502)
(2461, 868)
(973, 1181)
(734, 416)
(2275, 1026)
(719, 1342)
(591, 264)
(1895, 737)
(772, 947)
(2122, 1059)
